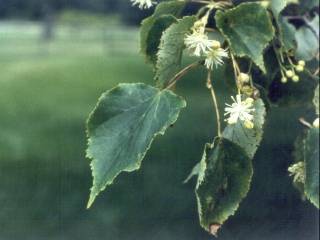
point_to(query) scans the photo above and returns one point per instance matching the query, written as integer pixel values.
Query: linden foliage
(273, 62)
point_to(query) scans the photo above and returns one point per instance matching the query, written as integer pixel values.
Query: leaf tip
(92, 198)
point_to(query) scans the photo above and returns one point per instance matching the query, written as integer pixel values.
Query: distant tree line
(40, 9)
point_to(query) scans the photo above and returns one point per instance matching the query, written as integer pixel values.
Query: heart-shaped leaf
(248, 29)
(224, 180)
(122, 128)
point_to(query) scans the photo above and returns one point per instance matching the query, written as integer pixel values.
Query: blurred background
(56, 58)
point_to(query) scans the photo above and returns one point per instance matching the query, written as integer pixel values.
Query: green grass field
(47, 90)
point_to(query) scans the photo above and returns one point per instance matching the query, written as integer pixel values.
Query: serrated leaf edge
(262, 67)
(242, 197)
(140, 156)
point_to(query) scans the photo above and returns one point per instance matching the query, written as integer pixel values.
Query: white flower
(240, 110)
(215, 57)
(297, 171)
(198, 43)
(143, 4)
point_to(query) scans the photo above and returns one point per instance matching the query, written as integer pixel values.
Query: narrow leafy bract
(248, 139)
(122, 128)
(287, 36)
(308, 44)
(224, 180)
(248, 29)
(307, 5)
(152, 27)
(277, 6)
(171, 49)
(286, 30)
(311, 154)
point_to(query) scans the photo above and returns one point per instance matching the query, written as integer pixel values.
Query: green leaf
(248, 139)
(288, 32)
(308, 45)
(314, 25)
(150, 45)
(171, 49)
(307, 5)
(277, 6)
(311, 155)
(316, 100)
(298, 157)
(122, 127)
(248, 29)
(223, 182)
(152, 27)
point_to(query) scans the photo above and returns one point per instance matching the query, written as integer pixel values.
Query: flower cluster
(240, 110)
(291, 74)
(199, 45)
(143, 4)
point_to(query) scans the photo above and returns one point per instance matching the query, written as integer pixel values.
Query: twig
(215, 102)
(182, 73)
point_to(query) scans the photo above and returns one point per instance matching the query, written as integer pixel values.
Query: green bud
(300, 68)
(295, 78)
(216, 44)
(249, 124)
(244, 78)
(302, 63)
(247, 90)
(290, 74)
(265, 4)
(284, 80)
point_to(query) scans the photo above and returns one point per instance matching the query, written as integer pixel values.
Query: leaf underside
(248, 29)
(248, 139)
(122, 128)
(171, 49)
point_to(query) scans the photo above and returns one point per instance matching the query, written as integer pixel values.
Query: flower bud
(290, 73)
(300, 68)
(249, 124)
(244, 78)
(295, 78)
(198, 24)
(216, 44)
(249, 101)
(247, 90)
(265, 4)
(316, 123)
(302, 63)
(284, 80)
